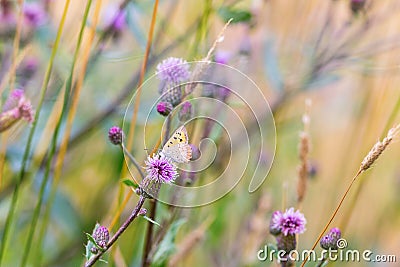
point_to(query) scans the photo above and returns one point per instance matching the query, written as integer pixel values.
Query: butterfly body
(177, 148)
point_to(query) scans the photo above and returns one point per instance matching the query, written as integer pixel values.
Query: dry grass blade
(378, 149)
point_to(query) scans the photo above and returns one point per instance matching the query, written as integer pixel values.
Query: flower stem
(333, 215)
(133, 160)
(120, 231)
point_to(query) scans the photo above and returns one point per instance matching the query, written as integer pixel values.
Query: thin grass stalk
(71, 115)
(128, 196)
(22, 172)
(347, 215)
(64, 112)
(11, 72)
(120, 231)
(137, 99)
(16, 59)
(367, 162)
(16, 43)
(146, 261)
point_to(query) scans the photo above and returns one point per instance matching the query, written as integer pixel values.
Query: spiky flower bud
(101, 236)
(142, 212)
(115, 135)
(164, 108)
(329, 241)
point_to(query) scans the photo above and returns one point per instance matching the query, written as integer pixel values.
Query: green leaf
(152, 221)
(167, 246)
(227, 13)
(130, 183)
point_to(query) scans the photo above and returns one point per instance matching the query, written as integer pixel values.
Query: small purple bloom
(13, 99)
(329, 241)
(101, 236)
(142, 212)
(164, 108)
(17, 107)
(289, 223)
(115, 135)
(160, 170)
(35, 14)
(222, 57)
(115, 17)
(173, 70)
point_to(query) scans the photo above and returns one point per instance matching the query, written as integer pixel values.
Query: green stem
(22, 172)
(62, 117)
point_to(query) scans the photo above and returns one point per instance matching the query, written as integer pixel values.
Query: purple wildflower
(101, 236)
(222, 57)
(115, 135)
(142, 212)
(173, 70)
(115, 18)
(160, 170)
(164, 108)
(17, 107)
(35, 14)
(289, 223)
(329, 241)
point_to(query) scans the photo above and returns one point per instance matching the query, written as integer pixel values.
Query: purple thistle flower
(34, 14)
(289, 223)
(17, 107)
(164, 108)
(115, 18)
(172, 94)
(142, 212)
(160, 170)
(329, 241)
(222, 57)
(101, 236)
(173, 71)
(115, 135)
(13, 99)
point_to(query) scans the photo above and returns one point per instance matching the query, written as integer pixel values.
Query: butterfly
(177, 148)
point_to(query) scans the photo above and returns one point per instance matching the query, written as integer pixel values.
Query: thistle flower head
(222, 57)
(13, 99)
(101, 236)
(329, 241)
(17, 107)
(172, 94)
(173, 70)
(115, 18)
(34, 14)
(289, 223)
(115, 135)
(164, 108)
(160, 170)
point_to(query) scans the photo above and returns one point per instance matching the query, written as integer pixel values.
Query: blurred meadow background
(329, 70)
